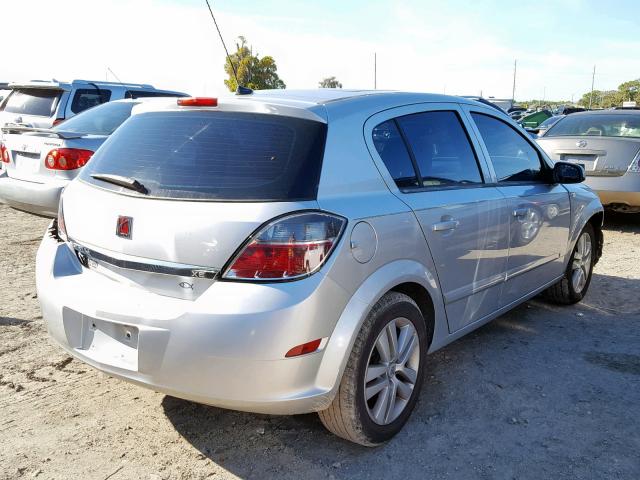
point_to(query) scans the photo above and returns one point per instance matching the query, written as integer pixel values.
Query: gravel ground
(541, 392)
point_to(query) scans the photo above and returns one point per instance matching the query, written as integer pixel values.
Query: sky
(454, 47)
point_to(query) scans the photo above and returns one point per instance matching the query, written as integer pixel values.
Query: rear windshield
(33, 101)
(598, 125)
(205, 155)
(100, 120)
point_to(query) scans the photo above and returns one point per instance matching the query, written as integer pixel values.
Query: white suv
(45, 104)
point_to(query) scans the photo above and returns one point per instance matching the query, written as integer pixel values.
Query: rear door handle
(520, 212)
(445, 225)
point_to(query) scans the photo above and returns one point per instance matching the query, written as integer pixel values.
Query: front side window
(513, 158)
(441, 149)
(394, 154)
(85, 98)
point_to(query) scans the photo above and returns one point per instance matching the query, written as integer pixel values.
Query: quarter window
(441, 149)
(86, 98)
(394, 154)
(513, 158)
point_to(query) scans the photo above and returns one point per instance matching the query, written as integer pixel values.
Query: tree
(253, 72)
(630, 90)
(329, 82)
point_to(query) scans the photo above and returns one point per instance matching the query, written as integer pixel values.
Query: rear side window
(513, 158)
(205, 155)
(394, 154)
(34, 101)
(86, 98)
(441, 148)
(101, 120)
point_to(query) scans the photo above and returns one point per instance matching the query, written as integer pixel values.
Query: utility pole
(593, 77)
(513, 91)
(375, 71)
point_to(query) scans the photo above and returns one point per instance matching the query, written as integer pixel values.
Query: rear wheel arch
(422, 297)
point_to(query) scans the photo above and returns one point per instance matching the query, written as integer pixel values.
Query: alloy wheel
(581, 263)
(392, 371)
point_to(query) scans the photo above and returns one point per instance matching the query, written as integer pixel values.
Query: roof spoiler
(15, 128)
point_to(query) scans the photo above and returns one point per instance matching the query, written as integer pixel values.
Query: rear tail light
(62, 227)
(58, 121)
(635, 165)
(67, 158)
(288, 248)
(4, 153)
(198, 102)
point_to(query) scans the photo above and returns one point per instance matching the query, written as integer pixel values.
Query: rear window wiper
(126, 182)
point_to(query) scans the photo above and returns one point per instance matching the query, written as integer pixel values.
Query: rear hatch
(210, 178)
(604, 144)
(32, 106)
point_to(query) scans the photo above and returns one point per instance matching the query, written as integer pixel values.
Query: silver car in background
(289, 251)
(606, 143)
(38, 163)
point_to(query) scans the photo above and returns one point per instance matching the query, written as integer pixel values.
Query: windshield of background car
(100, 120)
(33, 101)
(597, 125)
(213, 155)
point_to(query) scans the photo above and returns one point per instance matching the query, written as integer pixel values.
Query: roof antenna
(240, 90)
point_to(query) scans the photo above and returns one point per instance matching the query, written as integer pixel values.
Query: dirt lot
(542, 392)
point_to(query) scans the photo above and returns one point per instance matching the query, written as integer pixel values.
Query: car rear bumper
(225, 349)
(623, 190)
(38, 198)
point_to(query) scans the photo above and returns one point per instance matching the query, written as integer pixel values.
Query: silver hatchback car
(287, 252)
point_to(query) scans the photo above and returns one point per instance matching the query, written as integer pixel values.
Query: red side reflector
(58, 121)
(198, 102)
(305, 348)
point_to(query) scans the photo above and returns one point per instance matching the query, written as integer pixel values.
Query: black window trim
(545, 170)
(422, 187)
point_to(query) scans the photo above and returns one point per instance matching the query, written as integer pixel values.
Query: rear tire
(395, 375)
(576, 280)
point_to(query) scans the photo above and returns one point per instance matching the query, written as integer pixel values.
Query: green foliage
(253, 72)
(329, 82)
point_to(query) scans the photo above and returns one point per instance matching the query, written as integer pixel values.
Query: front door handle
(445, 225)
(520, 212)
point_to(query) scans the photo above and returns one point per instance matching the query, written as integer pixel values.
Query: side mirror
(565, 172)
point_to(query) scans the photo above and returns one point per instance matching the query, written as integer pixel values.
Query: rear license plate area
(27, 162)
(588, 162)
(106, 342)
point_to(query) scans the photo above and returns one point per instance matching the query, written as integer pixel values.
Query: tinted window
(215, 155)
(393, 151)
(441, 149)
(85, 98)
(513, 158)
(33, 101)
(101, 120)
(599, 125)
(149, 93)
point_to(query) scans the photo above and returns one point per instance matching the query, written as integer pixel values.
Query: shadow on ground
(622, 222)
(538, 393)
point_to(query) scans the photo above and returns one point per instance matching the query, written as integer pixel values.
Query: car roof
(318, 104)
(67, 85)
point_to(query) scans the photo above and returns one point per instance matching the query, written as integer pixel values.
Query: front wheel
(574, 284)
(383, 376)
